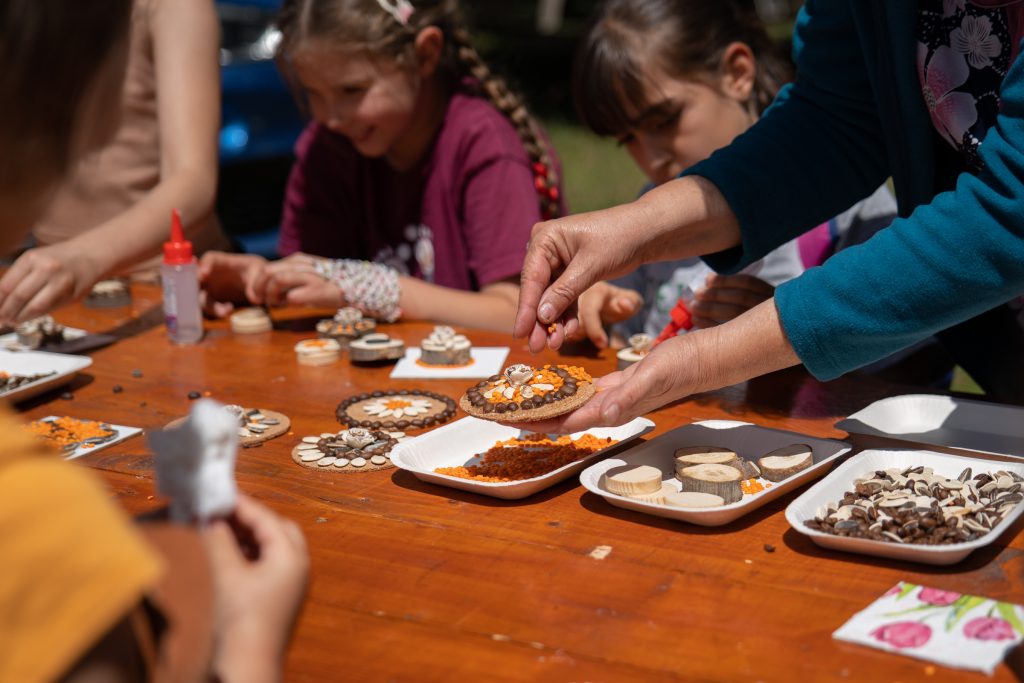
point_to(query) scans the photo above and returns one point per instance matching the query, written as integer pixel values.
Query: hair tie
(401, 10)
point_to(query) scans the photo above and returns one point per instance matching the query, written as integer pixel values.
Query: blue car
(259, 125)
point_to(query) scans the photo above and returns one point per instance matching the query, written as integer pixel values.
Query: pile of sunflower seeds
(919, 507)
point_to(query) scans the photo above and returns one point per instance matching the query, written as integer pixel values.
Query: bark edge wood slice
(706, 455)
(718, 480)
(784, 462)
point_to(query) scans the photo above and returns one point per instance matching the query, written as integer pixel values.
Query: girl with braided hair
(416, 184)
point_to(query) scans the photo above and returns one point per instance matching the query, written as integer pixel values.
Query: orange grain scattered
(67, 430)
(531, 456)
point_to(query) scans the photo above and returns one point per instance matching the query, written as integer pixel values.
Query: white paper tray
(487, 361)
(64, 366)
(832, 488)
(942, 421)
(459, 443)
(746, 440)
(123, 433)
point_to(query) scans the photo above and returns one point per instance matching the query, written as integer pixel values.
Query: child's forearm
(492, 308)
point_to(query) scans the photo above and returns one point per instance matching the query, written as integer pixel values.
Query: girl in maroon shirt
(418, 182)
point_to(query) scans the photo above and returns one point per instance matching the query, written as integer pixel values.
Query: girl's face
(685, 122)
(369, 101)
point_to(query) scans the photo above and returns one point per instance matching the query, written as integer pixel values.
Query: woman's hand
(726, 297)
(295, 281)
(751, 345)
(256, 601)
(227, 279)
(605, 304)
(683, 217)
(43, 279)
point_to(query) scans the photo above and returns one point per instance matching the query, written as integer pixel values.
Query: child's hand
(726, 297)
(226, 279)
(256, 601)
(43, 279)
(605, 304)
(294, 281)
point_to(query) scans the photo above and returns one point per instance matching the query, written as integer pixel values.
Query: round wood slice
(348, 469)
(351, 412)
(584, 392)
(273, 431)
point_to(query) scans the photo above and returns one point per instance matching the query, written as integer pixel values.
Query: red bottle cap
(178, 251)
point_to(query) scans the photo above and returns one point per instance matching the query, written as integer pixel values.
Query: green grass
(597, 172)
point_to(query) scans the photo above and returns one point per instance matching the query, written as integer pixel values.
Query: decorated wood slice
(403, 409)
(526, 394)
(348, 451)
(255, 425)
(346, 325)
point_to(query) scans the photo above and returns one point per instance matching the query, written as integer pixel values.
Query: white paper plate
(831, 489)
(64, 367)
(487, 361)
(459, 443)
(942, 421)
(746, 440)
(122, 434)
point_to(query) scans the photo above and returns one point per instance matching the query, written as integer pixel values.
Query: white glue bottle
(180, 277)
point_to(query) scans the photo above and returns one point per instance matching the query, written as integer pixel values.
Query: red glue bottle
(179, 274)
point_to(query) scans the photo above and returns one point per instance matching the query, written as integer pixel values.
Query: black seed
(769, 548)
(193, 395)
(67, 396)
(117, 388)
(136, 373)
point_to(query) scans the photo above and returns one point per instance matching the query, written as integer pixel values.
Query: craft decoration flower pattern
(903, 634)
(394, 406)
(989, 628)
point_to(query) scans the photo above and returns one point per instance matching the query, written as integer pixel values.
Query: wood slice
(300, 457)
(784, 462)
(719, 480)
(706, 455)
(584, 392)
(273, 431)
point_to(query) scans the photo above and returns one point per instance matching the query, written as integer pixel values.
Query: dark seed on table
(136, 373)
(67, 396)
(769, 548)
(193, 395)
(117, 388)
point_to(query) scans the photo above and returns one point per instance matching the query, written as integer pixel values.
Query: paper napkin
(952, 629)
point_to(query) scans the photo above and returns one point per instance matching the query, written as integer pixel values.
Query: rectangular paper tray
(63, 366)
(746, 440)
(942, 421)
(458, 443)
(831, 490)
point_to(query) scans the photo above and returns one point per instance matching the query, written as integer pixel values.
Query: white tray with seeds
(945, 421)
(53, 370)
(460, 443)
(832, 488)
(748, 441)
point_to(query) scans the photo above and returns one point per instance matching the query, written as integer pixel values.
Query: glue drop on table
(180, 277)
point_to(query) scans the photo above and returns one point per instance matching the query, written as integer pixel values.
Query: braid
(512, 106)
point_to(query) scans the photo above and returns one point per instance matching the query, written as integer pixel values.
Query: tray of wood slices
(711, 472)
(913, 505)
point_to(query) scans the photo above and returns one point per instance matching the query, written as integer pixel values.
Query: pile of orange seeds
(66, 432)
(531, 456)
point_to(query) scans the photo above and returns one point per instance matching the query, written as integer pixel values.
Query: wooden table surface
(416, 582)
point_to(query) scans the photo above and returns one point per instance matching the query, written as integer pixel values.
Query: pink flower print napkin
(960, 631)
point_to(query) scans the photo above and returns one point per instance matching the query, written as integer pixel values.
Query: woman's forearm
(493, 308)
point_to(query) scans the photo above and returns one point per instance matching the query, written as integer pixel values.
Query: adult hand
(256, 600)
(605, 304)
(227, 280)
(682, 217)
(565, 257)
(43, 279)
(726, 297)
(294, 281)
(667, 374)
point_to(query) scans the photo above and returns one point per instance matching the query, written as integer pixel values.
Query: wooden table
(416, 582)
